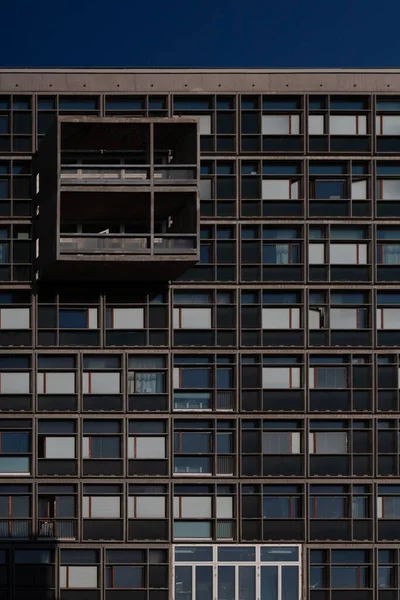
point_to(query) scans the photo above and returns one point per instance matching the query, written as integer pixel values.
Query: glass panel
(328, 507)
(193, 554)
(269, 583)
(183, 583)
(204, 581)
(349, 577)
(330, 190)
(290, 583)
(279, 553)
(247, 583)
(233, 554)
(226, 583)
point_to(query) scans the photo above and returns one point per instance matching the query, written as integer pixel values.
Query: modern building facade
(199, 334)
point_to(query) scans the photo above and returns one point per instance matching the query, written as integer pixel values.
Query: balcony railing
(126, 244)
(15, 529)
(56, 529)
(127, 174)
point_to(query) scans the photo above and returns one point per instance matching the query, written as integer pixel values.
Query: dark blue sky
(193, 33)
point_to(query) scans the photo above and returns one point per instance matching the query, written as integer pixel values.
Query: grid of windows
(151, 428)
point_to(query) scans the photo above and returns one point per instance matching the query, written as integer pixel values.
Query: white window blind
(127, 318)
(15, 383)
(280, 377)
(101, 507)
(359, 189)
(146, 507)
(224, 507)
(344, 318)
(388, 125)
(281, 442)
(280, 189)
(101, 383)
(316, 254)
(192, 507)
(204, 124)
(205, 189)
(388, 318)
(280, 125)
(14, 318)
(55, 383)
(280, 318)
(328, 442)
(388, 189)
(316, 125)
(146, 447)
(348, 254)
(59, 447)
(82, 576)
(348, 124)
(192, 318)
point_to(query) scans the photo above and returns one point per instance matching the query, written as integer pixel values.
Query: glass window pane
(290, 583)
(226, 583)
(183, 583)
(204, 583)
(247, 583)
(269, 583)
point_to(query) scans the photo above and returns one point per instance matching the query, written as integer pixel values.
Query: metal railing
(56, 529)
(126, 174)
(225, 400)
(126, 244)
(111, 174)
(15, 529)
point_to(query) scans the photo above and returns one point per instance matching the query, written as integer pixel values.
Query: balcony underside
(117, 268)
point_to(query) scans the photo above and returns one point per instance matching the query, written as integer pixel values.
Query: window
(78, 318)
(388, 189)
(348, 254)
(192, 318)
(280, 442)
(388, 507)
(13, 446)
(388, 318)
(388, 254)
(80, 577)
(120, 577)
(328, 507)
(280, 189)
(101, 507)
(146, 447)
(388, 124)
(125, 318)
(280, 377)
(328, 189)
(281, 507)
(346, 318)
(281, 254)
(97, 447)
(142, 379)
(348, 124)
(55, 383)
(146, 507)
(14, 318)
(58, 447)
(280, 124)
(280, 318)
(316, 124)
(328, 378)
(15, 383)
(101, 383)
(192, 507)
(328, 442)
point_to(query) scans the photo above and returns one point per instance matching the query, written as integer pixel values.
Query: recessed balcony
(118, 198)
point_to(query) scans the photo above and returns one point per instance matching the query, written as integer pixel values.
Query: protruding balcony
(118, 199)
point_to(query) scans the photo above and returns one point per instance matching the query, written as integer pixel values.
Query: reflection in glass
(183, 583)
